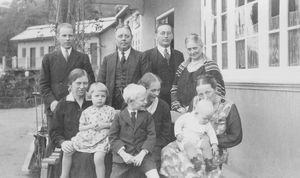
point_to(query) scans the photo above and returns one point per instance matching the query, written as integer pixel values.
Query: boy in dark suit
(132, 136)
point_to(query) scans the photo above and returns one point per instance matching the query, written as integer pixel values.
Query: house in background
(256, 45)
(36, 41)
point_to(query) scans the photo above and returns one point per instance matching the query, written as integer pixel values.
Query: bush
(16, 89)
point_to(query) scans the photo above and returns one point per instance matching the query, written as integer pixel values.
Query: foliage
(20, 15)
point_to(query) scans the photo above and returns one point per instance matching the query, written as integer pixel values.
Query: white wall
(36, 45)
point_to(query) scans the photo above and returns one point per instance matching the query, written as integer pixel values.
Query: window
(294, 12)
(239, 22)
(224, 27)
(42, 53)
(214, 31)
(51, 48)
(274, 14)
(294, 46)
(23, 52)
(214, 7)
(240, 54)
(224, 6)
(224, 56)
(239, 3)
(274, 49)
(252, 52)
(252, 18)
(93, 52)
(214, 53)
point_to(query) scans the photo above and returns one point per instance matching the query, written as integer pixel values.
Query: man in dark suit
(57, 65)
(163, 60)
(121, 67)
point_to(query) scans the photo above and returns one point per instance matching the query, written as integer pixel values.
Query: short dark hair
(75, 74)
(162, 24)
(207, 79)
(123, 26)
(148, 78)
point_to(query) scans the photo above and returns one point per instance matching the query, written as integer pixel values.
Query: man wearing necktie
(56, 67)
(163, 60)
(122, 67)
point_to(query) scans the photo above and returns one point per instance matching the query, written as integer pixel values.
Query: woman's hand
(215, 149)
(182, 110)
(179, 137)
(186, 62)
(67, 146)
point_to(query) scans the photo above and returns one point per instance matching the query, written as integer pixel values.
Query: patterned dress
(91, 140)
(175, 163)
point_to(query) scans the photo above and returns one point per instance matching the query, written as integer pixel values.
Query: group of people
(124, 116)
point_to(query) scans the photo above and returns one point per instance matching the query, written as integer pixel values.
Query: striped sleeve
(212, 68)
(175, 104)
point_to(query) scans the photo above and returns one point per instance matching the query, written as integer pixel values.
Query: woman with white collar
(184, 86)
(160, 112)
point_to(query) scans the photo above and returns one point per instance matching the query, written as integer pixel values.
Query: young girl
(92, 137)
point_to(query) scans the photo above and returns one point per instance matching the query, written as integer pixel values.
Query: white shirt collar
(130, 111)
(152, 108)
(63, 50)
(126, 53)
(70, 97)
(162, 50)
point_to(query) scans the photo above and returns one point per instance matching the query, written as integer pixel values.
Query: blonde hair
(132, 92)
(195, 38)
(98, 86)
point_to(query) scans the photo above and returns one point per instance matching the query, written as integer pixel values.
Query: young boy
(132, 136)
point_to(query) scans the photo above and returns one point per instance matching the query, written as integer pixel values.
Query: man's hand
(138, 159)
(67, 146)
(53, 105)
(127, 158)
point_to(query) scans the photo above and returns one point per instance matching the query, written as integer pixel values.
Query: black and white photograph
(149, 88)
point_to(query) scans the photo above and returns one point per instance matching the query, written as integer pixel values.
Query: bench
(51, 165)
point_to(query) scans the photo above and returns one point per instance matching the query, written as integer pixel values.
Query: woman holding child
(184, 85)
(178, 161)
(82, 126)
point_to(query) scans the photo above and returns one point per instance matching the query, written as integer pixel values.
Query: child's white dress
(90, 140)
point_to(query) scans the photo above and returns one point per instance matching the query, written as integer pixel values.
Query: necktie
(167, 55)
(133, 118)
(123, 58)
(66, 54)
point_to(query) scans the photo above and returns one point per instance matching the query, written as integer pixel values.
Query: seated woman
(184, 85)
(226, 123)
(160, 112)
(65, 124)
(92, 137)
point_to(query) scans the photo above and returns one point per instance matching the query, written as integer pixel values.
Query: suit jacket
(133, 138)
(107, 72)
(54, 74)
(157, 64)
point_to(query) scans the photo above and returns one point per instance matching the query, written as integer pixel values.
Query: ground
(16, 135)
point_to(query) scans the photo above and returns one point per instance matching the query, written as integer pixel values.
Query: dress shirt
(126, 54)
(162, 50)
(64, 49)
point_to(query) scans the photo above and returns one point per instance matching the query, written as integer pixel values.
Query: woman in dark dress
(227, 125)
(160, 112)
(65, 123)
(184, 85)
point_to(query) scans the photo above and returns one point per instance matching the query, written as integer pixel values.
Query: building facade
(256, 45)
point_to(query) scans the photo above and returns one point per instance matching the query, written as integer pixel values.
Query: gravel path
(16, 134)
